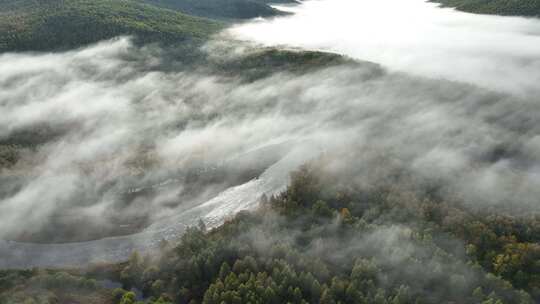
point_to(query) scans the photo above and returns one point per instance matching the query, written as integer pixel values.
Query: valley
(245, 151)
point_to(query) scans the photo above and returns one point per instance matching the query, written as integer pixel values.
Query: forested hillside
(328, 239)
(58, 24)
(219, 9)
(29, 25)
(496, 7)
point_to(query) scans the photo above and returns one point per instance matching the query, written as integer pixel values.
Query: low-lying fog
(109, 141)
(414, 36)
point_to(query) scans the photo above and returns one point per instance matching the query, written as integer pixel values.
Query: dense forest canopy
(496, 7)
(324, 240)
(55, 24)
(27, 25)
(219, 9)
(330, 240)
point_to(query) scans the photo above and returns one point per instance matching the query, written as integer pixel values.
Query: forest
(496, 7)
(27, 25)
(220, 9)
(67, 24)
(325, 239)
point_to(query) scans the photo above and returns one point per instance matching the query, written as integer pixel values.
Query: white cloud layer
(120, 138)
(414, 36)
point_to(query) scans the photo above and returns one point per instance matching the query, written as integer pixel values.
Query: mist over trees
(174, 163)
(331, 238)
(362, 224)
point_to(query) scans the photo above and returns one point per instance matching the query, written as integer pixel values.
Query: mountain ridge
(527, 8)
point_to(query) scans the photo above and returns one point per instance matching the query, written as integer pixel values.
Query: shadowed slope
(55, 24)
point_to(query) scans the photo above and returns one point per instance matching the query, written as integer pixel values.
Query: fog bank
(114, 141)
(104, 137)
(498, 53)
